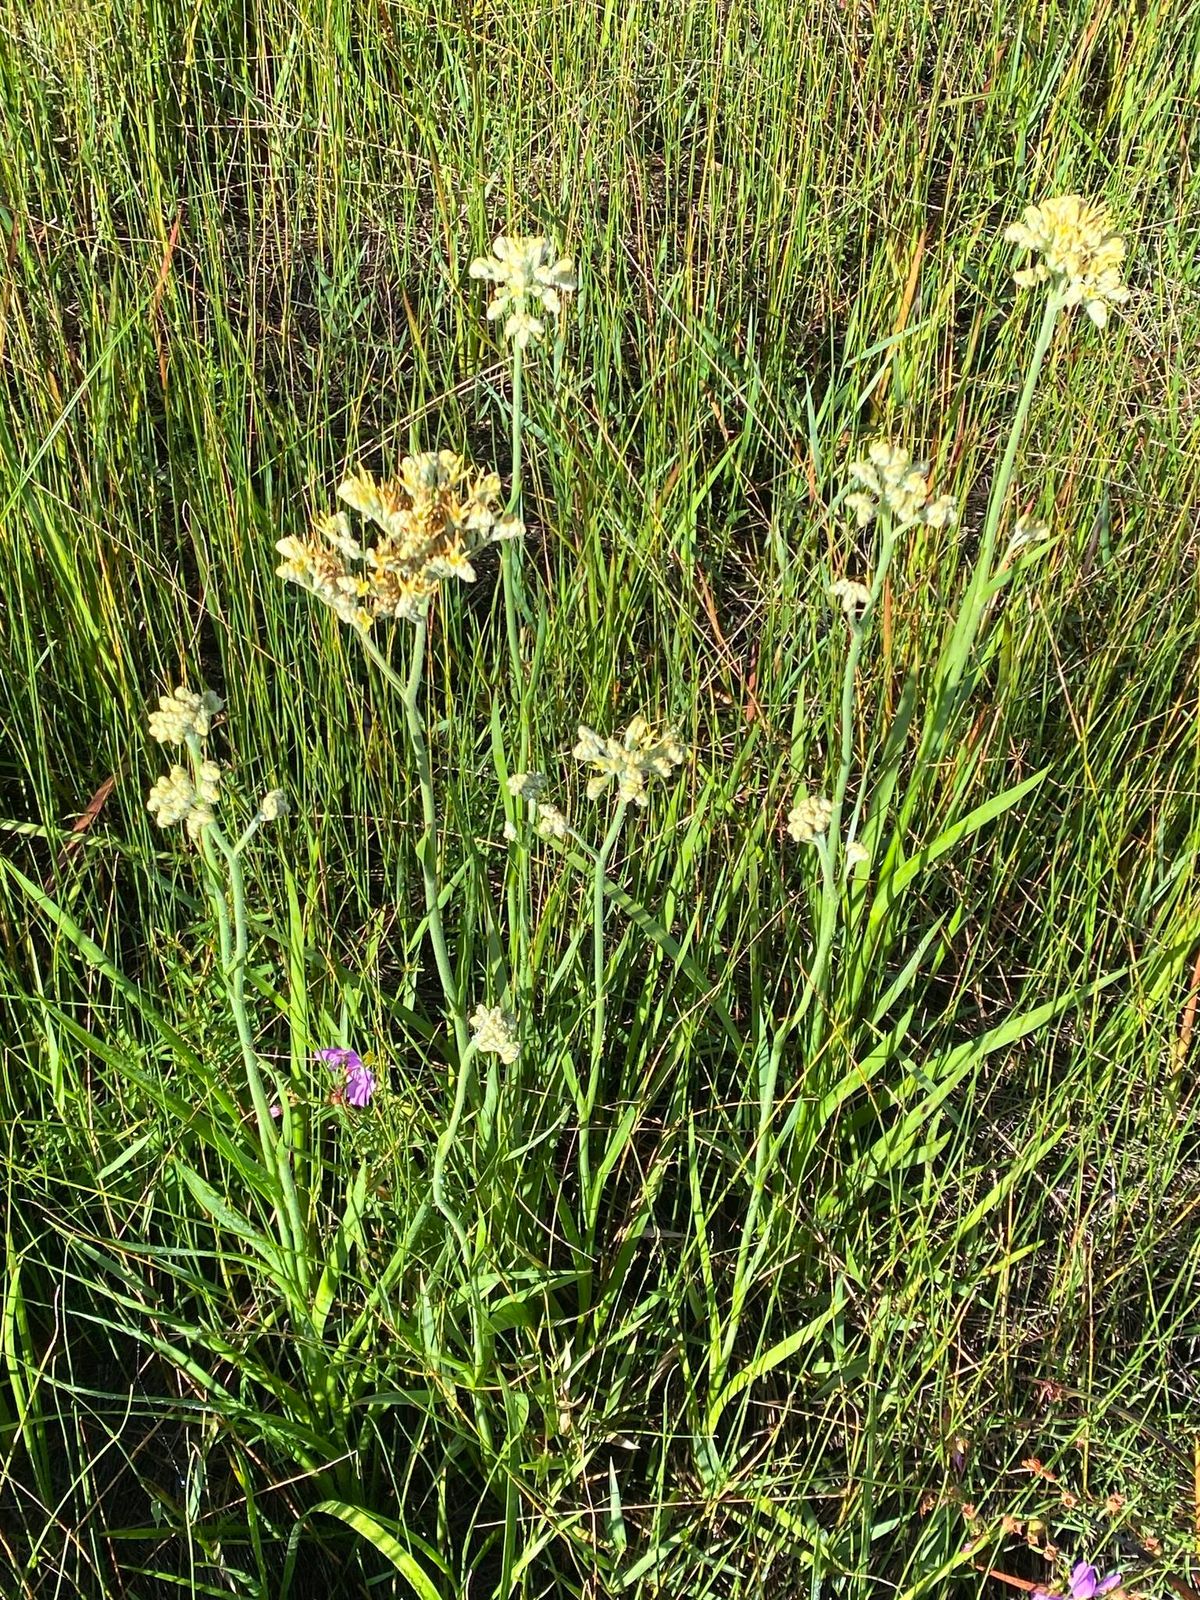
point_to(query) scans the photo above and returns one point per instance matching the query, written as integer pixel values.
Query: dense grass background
(235, 236)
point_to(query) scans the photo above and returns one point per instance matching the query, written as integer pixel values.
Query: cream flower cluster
(853, 597)
(526, 785)
(273, 805)
(551, 822)
(183, 714)
(809, 818)
(639, 755)
(181, 798)
(891, 481)
(530, 276)
(433, 519)
(495, 1033)
(1080, 253)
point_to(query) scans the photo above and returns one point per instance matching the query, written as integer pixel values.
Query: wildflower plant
(1081, 257)
(1083, 1583)
(529, 279)
(191, 795)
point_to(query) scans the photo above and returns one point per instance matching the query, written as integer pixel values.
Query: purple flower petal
(360, 1081)
(1110, 1582)
(360, 1086)
(336, 1056)
(1084, 1579)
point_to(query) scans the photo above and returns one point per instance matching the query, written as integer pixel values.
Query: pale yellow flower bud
(434, 517)
(630, 761)
(171, 798)
(891, 482)
(526, 785)
(854, 598)
(176, 798)
(182, 713)
(273, 805)
(529, 276)
(809, 818)
(551, 823)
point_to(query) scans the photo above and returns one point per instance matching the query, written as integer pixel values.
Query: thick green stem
(446, 1140)
(510, 555)
(410, 695)
(831, 846)
(235, 944)
(595, 1071)
(966, 627)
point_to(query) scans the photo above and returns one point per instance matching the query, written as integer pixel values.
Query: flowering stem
(234, 951)
(966, 627)
(598, 1003)
(445, 1142)
(410, 695)
(830, 845)
(510, 556)
(517, 422)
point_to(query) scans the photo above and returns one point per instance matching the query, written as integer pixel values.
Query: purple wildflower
(1086, 1583)
(360, 1080)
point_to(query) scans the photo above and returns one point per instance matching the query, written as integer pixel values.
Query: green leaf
(383, 1536)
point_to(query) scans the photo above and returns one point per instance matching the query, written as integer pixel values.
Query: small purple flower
(1086, 1582)
(360, 1080)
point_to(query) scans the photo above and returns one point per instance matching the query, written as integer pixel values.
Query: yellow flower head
(526, 785)
(1080, 254)
(433, 518)
(639, 755)
(273, 805)
(551, 823)
(529, 275)
(892, 482)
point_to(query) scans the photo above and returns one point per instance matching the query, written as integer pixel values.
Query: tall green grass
(235, 241)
